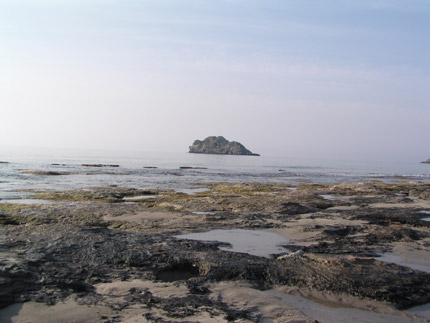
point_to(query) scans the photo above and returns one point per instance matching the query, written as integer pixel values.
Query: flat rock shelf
(110, 254)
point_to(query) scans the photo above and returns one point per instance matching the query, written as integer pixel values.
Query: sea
(182, 172)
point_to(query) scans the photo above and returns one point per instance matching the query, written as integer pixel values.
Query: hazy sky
(303, 78)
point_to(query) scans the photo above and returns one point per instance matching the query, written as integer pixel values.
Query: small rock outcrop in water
(426, 161)
(220, 146)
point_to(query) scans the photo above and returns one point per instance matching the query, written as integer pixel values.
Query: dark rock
(63, 260)
(191, 167)
(340, 232)
(219, 146)
(293, 208)
(385, 216)
(98, 165)
(359, 276)
(47, 173)
(178, 271)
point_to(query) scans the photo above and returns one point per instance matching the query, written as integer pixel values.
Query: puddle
(422, 311)
(191, 190)
(26, 201)
(422, 265)
(257, 243)
(326, 314)
(203, 213)
(426, 219)
(140, 197)
(425, 212)
(331, 197)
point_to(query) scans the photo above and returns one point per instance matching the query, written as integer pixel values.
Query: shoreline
(125, 237)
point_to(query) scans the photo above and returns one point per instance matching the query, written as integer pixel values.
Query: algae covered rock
(220, 146)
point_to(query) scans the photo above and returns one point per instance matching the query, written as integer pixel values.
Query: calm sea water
(168, 174)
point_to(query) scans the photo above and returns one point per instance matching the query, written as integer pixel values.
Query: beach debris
(295, 254)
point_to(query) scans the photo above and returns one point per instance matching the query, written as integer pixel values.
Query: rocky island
(220, 146)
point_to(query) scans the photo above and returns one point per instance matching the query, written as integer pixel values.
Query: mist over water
(166, 173)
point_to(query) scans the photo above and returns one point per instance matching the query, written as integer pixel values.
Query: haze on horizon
(341, 79)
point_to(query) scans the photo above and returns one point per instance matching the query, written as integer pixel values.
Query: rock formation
(220, 146)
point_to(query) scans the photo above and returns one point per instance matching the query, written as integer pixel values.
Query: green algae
(10, 208)
(243, 188)
(8, 219)
(108, 195)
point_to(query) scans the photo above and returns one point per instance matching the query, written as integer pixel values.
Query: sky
(309, 78)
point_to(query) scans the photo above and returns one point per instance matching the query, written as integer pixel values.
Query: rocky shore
(111, 254)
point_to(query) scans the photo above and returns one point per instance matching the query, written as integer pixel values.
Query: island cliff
(220, 146)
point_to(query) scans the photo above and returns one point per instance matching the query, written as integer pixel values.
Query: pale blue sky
(303, 78)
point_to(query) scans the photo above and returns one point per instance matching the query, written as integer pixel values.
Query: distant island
(426, 161)
(220, 146)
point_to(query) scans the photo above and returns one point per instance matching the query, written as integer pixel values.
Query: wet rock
(192, 167)
(340, 231)
(105, 194)
(47, 173)
(98, 165)
(357, 276)
(178, 271)
(53, 251)
(293, 208)
(71, 259)
(387, 216)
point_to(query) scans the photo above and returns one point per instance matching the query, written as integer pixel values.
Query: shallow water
(399, 260)
(167, 175)
(257, 243)
(26, 201)
(422, 311)
(426, 219)
(191, 191)
(425, 212)
(326, 314)
(331, 197)
(140, 197)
